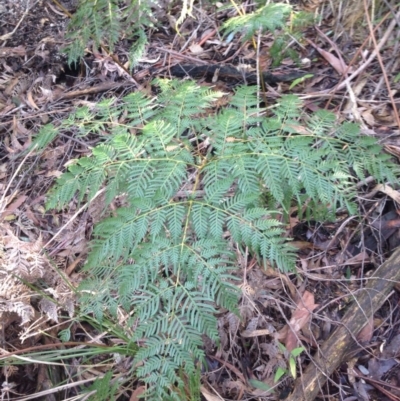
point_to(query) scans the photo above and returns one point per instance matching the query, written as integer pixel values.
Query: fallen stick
(335, 349)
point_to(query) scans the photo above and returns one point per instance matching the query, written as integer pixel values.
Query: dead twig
(390, 93)
(372, 57)
(95, 89)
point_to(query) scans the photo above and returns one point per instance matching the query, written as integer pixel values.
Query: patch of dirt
(39, 31)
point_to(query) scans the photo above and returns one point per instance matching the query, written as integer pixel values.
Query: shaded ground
(334, 259)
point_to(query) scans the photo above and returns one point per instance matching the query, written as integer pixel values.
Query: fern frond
(105, 22)
(270, 17)
(44, 137)
(104, 388)
(167, 256)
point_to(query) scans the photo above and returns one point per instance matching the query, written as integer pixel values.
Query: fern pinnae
(271, 17)
(244, 171)
(167, 257)
(200, 219)
(138, 108)
(45, 136)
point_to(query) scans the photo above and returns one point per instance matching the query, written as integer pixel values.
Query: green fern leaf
(168, 256)
(271, 17)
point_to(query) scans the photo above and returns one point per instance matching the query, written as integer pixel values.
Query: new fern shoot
(196, 185)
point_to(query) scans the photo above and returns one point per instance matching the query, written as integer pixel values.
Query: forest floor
(335, 259)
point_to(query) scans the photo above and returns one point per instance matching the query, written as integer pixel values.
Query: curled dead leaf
(299, 319)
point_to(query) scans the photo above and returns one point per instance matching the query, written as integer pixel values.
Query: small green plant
(291, 358)
(269, 17)
(300, 80)
(104, 22)
(272, 17)
(198, 186)
(260, 385)
(102, 389)
(292, 33)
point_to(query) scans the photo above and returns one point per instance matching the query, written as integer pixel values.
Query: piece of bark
(343, 339)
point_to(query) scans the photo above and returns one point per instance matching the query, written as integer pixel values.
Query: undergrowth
(104, 23)
(198, 186)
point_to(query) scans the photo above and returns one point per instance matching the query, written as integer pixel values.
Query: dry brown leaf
(299, 319)
(208, 396)
(368, 117)
(232, 368)
(196, 49)
(365, 335)
(389, 191)
(299, 129)
(361, 257)
(302, 245)
(392, 149)
(384, 115)
(30, 100)
(333, 61)
(47, 93)
(339, 65)
(11, 85)
(14, 206)
(49, 308)
(54, 173)
(18, 51)
(137, 393)
(236, 387)
(31, 216)
(269, 271)
(3, 170)
(18, 259)
(255, 333)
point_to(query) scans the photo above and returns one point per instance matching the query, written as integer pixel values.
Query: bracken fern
(196, 184)
(104, 22)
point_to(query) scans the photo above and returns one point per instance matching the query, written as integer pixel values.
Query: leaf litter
(302, 308)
